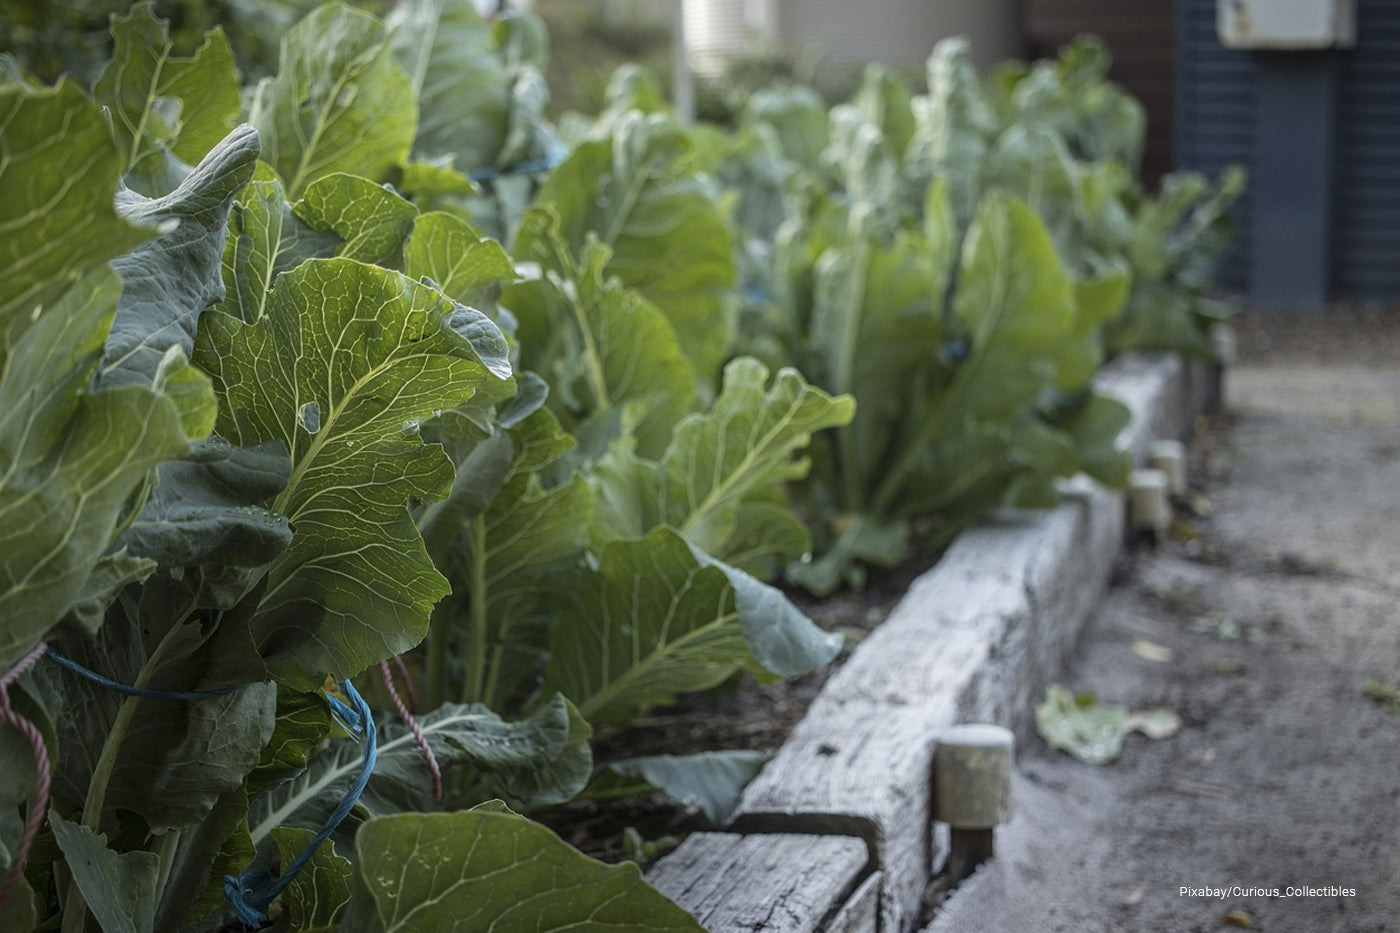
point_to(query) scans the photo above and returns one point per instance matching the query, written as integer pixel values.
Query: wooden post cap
(1170, 458)
(1148, 509)
(1223, 343)
(972, 776)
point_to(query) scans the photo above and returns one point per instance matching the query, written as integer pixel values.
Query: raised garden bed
(836, 833)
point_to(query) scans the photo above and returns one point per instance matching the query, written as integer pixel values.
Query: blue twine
(532, 167)
(556, 153)
(252, 892)
(110, 684)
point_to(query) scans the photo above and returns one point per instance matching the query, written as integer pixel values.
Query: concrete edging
(976, 638)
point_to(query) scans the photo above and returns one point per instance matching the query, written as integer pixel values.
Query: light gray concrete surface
(1286, 774)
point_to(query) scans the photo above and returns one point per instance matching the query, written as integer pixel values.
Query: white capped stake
(1170, 458)
(1223, 343)
(1148, 509)
(972, 790)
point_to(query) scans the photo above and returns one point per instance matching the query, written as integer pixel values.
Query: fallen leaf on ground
(1092, 731)
(1134, 899)
(1237, 918)
(1151, 651)
(1157, 723)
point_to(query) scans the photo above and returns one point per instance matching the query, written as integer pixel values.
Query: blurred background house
(1314, 116)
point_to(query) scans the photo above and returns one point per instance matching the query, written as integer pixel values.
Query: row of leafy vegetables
(369, 361)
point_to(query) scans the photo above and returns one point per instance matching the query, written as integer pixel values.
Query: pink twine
(407, 683)
(412, 723)
(8, 716)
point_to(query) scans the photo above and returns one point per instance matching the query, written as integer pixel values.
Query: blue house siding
(1366, 205)
(1220, 107)
(1216, 109)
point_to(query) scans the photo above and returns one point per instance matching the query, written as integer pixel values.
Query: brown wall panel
(1141, 36)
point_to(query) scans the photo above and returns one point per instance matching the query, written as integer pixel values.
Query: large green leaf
(204, 508)
(1098, 299)
(168, 282)
(176, 759)
(541, 760)
(60, 169)
(478, 751)
(658, 619)
(1095, 424)
(372, 219)
(344, 364)
(885, 101)
(639, 194)
(953, 126)
(316, 898)
(1016, 305)
(461, 83)
(602, 346)
(1033, 163)
(1016, 302)
(163, 106)
(747, 443)
(490, 869)
(265, 239)
(876, 334)
(339, 103)
(798, 118)
(73, 456)
(303, 722)
(712, 781)
(1098, 119)
(456, 258)
(120, 889)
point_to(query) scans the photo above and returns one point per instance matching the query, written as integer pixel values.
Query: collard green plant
(965, 341)
(639, 193)
(959, 262)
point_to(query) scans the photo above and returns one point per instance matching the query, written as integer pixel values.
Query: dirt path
(1276, 614)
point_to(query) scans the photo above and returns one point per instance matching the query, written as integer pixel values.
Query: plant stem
(844, 377)
(435, 664)
(925, 433)
(167, 847)
(475, 674)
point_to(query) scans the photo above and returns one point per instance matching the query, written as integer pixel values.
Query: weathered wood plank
(778, 883)
(861, 914)
(861, 768)
(1150, 385)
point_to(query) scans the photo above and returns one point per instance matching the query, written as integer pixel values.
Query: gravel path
(1276, 612)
